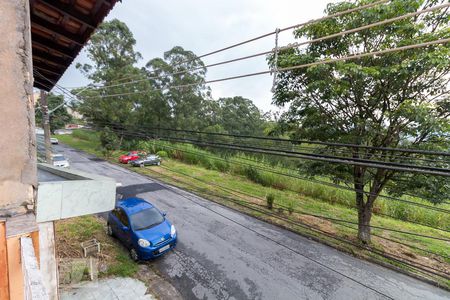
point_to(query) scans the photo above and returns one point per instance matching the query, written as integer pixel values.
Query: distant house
(74, 113)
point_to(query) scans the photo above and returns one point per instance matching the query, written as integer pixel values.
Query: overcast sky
(204, 25)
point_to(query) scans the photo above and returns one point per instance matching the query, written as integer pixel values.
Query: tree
(239, 115)
(400, 99)
(58, 118)
(109, 141)
(180, 67)
(113, 58)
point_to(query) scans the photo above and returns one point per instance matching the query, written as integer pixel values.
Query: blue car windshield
(146, 218)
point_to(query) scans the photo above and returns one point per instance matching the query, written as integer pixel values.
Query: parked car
(54, 141)
(60, 161)
(130, 156)
(142, 228)
(149, 160)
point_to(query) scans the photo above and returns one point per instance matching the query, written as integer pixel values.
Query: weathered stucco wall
(17, 143)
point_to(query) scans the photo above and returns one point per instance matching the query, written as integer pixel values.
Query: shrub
(270, 198)
(130, 145)
(109, 141)
(176, 154)
(190, 158)
(291, 207)
(162, 153)
(221, 166)
(253, 175)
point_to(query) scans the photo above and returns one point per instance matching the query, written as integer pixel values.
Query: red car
(130, 156)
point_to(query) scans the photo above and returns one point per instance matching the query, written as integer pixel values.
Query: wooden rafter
(59, 30)
(68, 9)
(45, 25)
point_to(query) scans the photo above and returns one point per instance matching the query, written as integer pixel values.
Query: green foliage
(109, 141)
(253, 174)
(58, 118)
(239, 116)
(270, 198)
(128, 145)
(221, 166)
(291, 207)
(182, 108)
(162, 154)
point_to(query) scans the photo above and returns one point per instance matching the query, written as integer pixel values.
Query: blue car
(142, 228)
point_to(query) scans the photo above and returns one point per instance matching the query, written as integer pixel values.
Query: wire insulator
(275, 65)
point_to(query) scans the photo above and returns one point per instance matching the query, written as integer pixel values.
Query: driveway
(222, 254)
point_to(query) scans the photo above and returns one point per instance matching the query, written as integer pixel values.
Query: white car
(54, 141)
(60, 161)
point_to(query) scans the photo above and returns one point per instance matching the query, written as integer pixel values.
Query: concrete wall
(17, 144)
(48, 263)
(81, 194)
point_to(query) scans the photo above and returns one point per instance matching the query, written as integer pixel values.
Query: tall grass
(86, 135)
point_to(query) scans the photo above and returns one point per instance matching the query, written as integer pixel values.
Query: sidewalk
(106, 289)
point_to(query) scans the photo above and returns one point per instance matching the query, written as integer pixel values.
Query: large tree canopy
(126, 97)
(180, 77)
(240, 116)
(400, 99)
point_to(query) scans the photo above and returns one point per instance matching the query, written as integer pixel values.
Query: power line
(320, 216)
(320, 157)
(358, 8)
(406, 150)
(300, 178)
(285, 69)
(309, 227)
(339, 221)
(290, 46)
(415, 151)
(311, 179)
(320, 182)
(312, 21)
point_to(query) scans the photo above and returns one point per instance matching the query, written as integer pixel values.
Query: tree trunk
(120, 141)
(364, 216)
(365, 207)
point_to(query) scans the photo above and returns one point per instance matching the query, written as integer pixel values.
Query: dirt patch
(321, 224)
(404, 252)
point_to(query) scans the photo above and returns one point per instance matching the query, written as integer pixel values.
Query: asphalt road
(222, 254)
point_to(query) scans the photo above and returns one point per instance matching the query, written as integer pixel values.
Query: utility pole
(46, 126)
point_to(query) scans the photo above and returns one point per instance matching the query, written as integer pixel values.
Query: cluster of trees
(150, 98)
